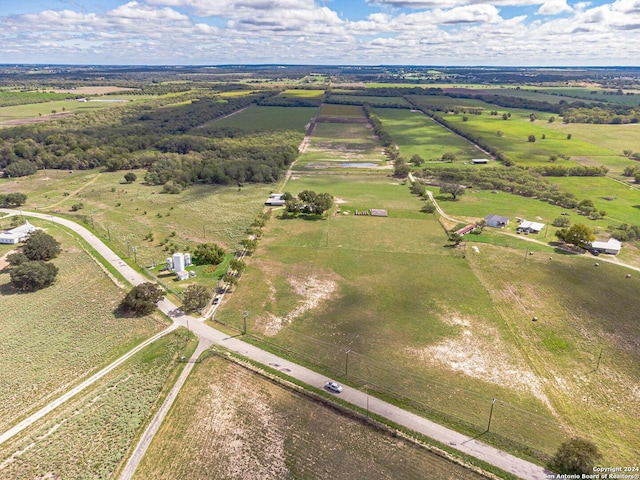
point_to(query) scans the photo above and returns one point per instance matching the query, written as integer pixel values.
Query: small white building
(17, 235)
(182, 275)
(170, 264)
(530, 227)
(187, 259)
(479, 161)
(611, 246)
(496, 221)
(178, 262)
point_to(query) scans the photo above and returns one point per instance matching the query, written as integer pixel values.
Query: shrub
(576, 456)
(31, 276)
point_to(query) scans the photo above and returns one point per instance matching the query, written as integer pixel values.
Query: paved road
(209, 335)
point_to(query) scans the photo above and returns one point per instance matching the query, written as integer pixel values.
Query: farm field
(246, 426)
(345, 141)
(269, 118)
(372, 100)
(123, 214)
(56, 336)
(33, 110)
(388, 290)
(302, 93)
(449, 327)
(416, 133)
(91, 434)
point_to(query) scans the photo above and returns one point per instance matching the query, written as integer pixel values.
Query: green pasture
(415, 133)
(584, 313)
(269, 118)
(515, 133)
(624, 206)
(334, 110)
(615, 138)
(90, 435)
(32, 110)
(538, 94)
(124, 214)
(59, 335)
(399, 299)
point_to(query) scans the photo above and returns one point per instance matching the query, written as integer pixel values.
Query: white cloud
(554, 7)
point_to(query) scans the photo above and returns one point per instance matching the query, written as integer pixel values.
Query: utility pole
(109, 234)
(244, 322)
(493, 400)
(599, 357)
(93, 225)
(346, 363)
(135, 255)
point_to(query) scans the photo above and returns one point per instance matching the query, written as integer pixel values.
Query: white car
(333, 386)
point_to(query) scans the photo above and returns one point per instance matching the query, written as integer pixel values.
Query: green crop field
(341, 110)
(58, 335)
(269, 118)
(416, 133)
(584, 93)
(244, 425)
(90, 435)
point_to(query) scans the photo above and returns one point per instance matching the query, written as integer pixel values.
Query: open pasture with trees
(245, 425)
(54, 337)
(419, 325)
(128, 215)
(416, 134)
(89, 436)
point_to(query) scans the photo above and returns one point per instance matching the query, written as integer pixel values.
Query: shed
(611, 246)
(479, 161)
(182, 275)
(465, 230)
(376, 212)
(530, 227)
(497, 221)
(274, 202)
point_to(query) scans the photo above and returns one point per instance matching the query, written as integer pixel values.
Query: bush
(209, 253)
(561, 222)
(41, 246)
(576, 456)
(142, 299)
(31, 276)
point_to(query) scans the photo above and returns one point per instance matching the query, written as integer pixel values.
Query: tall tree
(142, 299)
(31, 276)
(576, 456)
(452, 188)
(578, 234)
(209, 253)
(195, 297)
(41, 246)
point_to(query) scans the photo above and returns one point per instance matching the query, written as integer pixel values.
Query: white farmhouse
(17, 235)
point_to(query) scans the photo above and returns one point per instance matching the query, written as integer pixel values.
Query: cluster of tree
(308, 202)
(625, 232)
(131, 137)
(378, 128)
(578, 234)
(209, 253)
(142, 299)
(290, 102)
(513, 180)
(12, 200)
(610, 114)
(571, 171)
(30, 268)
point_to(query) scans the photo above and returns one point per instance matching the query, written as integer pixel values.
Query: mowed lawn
(244, 426)
(56, 336)
(418, 323)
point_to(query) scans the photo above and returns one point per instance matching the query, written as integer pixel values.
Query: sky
(344, 32)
